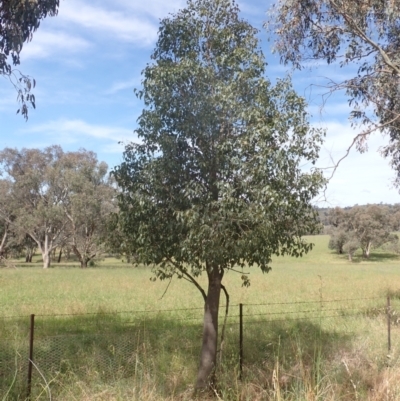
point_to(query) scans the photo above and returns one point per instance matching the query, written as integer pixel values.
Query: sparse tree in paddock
(59, 199)
(37, 196)
(217, 182)
(370, 226)
(364, 227)
(88, 203)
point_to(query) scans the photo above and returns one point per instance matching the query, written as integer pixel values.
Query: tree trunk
(46, 252)
(59, 256)
(208, 356)
(368, 250)
(3, 242)
(46, 259)
(84, 263)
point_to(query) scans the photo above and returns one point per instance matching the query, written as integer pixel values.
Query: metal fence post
(388, 324)
(240, 341)
(30, 365)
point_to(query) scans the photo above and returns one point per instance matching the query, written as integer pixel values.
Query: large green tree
(88, 203)
(216, 183)
(59, 199)
(364, 227)
(370, 226)
(363, 37)
(37, 196)
(19, 19)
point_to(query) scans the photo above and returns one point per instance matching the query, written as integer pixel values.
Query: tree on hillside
(216, 184)
(364, 34)
(88, 203)
(18, 20)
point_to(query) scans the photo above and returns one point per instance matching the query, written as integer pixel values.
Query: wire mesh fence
(126, 345)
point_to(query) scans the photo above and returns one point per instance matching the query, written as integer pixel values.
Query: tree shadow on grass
(157, 351)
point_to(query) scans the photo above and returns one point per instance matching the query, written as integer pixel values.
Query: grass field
(293, 350)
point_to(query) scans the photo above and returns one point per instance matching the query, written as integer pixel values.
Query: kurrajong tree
(18, 20)
(218, 181)
(362, 37)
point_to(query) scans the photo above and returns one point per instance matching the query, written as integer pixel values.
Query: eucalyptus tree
(370, 226)
(37, 196)
(364, 227)
(216, 183)
(362, 37)
(6, 214)
(88, 203)
(19, 19)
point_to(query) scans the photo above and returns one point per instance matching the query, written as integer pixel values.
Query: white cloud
(110, 23)
(153, 8)
(75, 129)
(122, 85)
(45, 43)
(360, 178)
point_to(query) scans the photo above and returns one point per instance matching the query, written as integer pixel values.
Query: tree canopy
(216, 183)
(19, 19)
(363, 37)
(58, 199)
(364, 227)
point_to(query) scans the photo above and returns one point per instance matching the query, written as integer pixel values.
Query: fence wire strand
(122, 345)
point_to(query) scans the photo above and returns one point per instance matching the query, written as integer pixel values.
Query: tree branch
(364, 37)
(225, 320)
(162, 296)
(190, 278)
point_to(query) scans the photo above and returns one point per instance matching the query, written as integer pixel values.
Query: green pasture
(315, 328)
(117, 286)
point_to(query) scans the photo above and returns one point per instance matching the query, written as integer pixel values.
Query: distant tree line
(53, 201)
(362, 227)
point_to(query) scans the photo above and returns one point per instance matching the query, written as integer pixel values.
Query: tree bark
(3, 242)
(46, 252)
(208, 356)
(46, 260)
(59, 256)
(368, 250)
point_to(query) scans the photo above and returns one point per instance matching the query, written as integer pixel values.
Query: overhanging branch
(190, 278)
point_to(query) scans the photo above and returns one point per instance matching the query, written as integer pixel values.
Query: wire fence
(39, 352)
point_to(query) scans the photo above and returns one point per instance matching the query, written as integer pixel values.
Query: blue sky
(88, 60)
